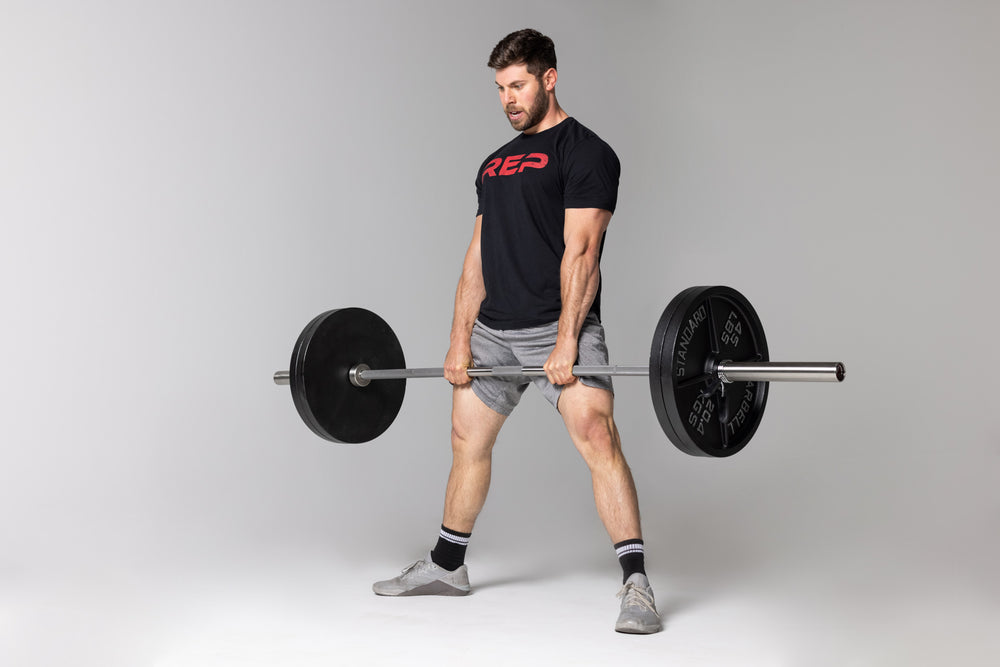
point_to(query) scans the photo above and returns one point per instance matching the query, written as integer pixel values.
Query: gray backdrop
(184, 185)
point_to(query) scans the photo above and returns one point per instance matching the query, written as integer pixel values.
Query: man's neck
(555, 115)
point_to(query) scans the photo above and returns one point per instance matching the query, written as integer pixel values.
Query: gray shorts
(531, 347)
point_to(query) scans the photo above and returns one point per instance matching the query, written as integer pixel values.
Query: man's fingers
(560, 374)
(457, 376)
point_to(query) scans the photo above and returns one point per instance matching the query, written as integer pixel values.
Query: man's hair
(525, 47)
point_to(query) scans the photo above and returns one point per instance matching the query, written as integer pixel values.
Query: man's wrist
(460, 338)
(566, 335)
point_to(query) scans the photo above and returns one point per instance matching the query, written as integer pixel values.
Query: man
(529, 295)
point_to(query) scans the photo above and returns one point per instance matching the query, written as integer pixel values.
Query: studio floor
(300, 610)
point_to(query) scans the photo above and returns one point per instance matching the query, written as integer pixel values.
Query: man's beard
(532, 115)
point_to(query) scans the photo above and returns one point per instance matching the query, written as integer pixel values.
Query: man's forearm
(580, 273)
(471, 290)
(580, 277)
(468, 298)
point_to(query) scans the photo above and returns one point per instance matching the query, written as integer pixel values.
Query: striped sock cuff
(629, 547)
(455, 537)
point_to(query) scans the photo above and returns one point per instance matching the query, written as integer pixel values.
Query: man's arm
(468, 298)
(579, 278)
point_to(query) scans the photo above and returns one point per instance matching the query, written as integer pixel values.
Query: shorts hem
(488, 401)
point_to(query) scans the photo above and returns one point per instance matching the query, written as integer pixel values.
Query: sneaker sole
(638, 629)
(432, 588)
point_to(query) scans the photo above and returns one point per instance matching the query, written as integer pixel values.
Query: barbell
(708, 373)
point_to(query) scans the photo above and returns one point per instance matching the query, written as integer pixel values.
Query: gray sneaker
(426, 578)
(638, 615)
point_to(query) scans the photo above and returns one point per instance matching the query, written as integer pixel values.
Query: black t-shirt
(524, 189)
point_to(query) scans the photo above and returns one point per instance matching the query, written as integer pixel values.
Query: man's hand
(459, 358)
(559, 365)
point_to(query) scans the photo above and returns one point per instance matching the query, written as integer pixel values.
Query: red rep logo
(515, 164)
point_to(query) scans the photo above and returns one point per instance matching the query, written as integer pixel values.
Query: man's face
(522, 96)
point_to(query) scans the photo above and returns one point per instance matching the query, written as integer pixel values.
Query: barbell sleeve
(775, 371)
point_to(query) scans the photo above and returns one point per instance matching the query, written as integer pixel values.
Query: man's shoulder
(573, 129)
(580, 142)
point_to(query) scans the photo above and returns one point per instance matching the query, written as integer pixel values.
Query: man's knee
(593, 426)
(595, 436)
(588, 411)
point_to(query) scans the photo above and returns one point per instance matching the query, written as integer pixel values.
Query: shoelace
(633, 595)
(409, 568)
(417, 565)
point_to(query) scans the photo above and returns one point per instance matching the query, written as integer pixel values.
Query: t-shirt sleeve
(592, 173)
(479, 192)
(479, 196)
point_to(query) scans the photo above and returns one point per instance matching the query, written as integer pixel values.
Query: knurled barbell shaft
(499, 371)
(727, 371)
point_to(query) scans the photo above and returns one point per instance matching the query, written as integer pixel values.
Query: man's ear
(549, 79)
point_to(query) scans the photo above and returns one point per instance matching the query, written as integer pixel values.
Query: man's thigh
(474, 424)
(581, 404)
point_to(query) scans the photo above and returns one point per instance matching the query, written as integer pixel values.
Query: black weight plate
(324, 353)
(701, 327)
